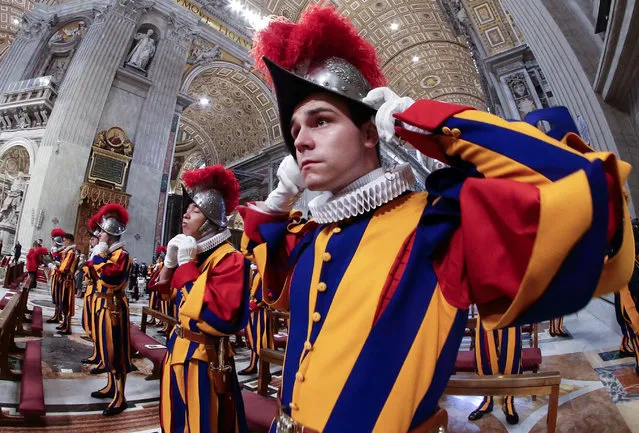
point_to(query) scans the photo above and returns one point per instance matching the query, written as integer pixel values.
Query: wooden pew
(139, 341)
(31, 406)
(546, 383)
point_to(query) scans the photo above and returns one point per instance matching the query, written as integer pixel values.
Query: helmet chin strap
(207, 229)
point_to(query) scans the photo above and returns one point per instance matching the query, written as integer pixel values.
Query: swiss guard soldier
(112, 264)
(378, 283)
(207, 278)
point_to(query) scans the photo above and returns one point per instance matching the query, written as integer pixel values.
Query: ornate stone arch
(241, 115)
(30, 146)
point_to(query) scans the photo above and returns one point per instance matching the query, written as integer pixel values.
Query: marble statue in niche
(143, 51)
(10, 210)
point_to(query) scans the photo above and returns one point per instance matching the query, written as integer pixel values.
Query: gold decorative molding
(114, 140)
(97, 196)
(112, 153)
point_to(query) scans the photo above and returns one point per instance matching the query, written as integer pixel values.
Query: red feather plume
(93, 223)
(57, 232)
(215, 177)
(321, 32)
(114, 209)
(160, 249)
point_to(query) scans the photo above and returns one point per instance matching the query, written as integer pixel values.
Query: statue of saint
(143, 51)
(10, 209)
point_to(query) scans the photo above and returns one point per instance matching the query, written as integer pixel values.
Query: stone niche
(14, 179)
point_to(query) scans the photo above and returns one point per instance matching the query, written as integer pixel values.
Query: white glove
(170, 260)
(187, 251)
(51, 266)
(291, 185)
(388, 103)
(100, 248)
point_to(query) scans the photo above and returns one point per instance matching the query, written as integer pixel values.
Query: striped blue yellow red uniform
(258, 330)
(112, 320)
(630, 316)
(57, 256)
(154, 297)
(497, 352)
(378, 303)
(66, 272)
(190, 399)
(88, 312)
(627, 335)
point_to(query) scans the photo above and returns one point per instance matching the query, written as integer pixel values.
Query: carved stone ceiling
(493, 24)
(240, 118)
(11, 10)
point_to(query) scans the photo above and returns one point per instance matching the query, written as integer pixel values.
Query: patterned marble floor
(596, 395)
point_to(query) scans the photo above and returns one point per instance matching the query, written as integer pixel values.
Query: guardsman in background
(88, 312)
(67, 269)
(57, 251)
(154, 296)
(258, 330)
(208, 279)
(112, 264)
(497, 352)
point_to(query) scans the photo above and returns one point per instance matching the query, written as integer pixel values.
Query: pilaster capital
(34, 27)
(179, 31)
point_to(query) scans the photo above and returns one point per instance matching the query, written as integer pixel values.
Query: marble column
(29, 42)
(152, 137)
(567, 78)
(62, 158)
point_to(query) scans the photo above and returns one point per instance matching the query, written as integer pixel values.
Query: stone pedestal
(7, 236)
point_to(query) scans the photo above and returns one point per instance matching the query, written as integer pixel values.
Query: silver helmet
(57, 241)
(111, 225)
(210, 202)
(338, 75)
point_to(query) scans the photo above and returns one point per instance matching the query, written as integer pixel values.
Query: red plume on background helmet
(113, 209)
(92, 223)
(321, 32)
(160, 249)
(218, 178)
(57, 232)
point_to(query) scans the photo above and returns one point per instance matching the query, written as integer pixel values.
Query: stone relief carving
(143, 51)
(203, 53)
(34, 28)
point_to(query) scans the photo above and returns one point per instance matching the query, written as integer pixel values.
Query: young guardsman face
(66, 242)
(93, 241)
(331, 150)
(192, 220)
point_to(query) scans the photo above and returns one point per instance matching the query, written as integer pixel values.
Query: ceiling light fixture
(415, 59)
(16, 21)
(205, 101)
(255, 20)
(394, 26)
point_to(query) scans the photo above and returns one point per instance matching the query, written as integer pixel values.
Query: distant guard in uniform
(112, 265)
(208, 280)
(57, 254)
(66, 272)
(88, 312)
(497, 352)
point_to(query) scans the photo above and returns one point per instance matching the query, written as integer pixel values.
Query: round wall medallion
(430, 82)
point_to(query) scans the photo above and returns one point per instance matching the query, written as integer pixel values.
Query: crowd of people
(379, 281)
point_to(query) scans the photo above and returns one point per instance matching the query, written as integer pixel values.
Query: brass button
(308, 345)
(326, 257)
(456, 132)
(317, 317)
(336, 230)
(293, 406)
(446, 130)
(321, 287)
(299, 377)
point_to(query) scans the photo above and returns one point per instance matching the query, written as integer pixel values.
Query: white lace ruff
(365, 194)
(115, 246)
(212, 242)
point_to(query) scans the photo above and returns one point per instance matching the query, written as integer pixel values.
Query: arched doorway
(15, 166)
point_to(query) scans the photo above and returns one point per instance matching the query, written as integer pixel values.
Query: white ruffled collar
(70, 247)
(115, 246)
(208, 243)
(363, 195)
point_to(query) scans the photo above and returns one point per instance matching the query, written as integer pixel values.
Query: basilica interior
(112, 101)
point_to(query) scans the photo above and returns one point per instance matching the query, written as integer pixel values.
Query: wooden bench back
(8, 322)
(518, 385)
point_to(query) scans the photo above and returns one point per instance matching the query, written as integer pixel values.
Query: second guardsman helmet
(215, 191)
(56, 236)
(112, 218)
(93, 228)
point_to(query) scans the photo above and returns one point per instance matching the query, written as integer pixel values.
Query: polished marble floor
(596, 395)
